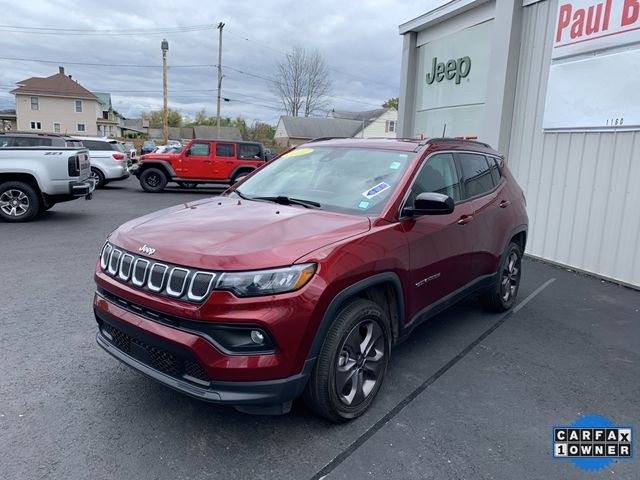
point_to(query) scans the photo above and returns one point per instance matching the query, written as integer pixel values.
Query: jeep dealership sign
(594, 74)
(451, 82)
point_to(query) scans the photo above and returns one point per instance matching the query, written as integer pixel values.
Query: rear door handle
(504, 203)
(207, 162)
(465, 219)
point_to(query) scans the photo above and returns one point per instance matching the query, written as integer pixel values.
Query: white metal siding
(582, 188)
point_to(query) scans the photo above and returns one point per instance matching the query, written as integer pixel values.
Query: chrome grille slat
(138, 282)
(173, 281)
(114, 265)
(177, 293)
(121, 274)
(198, 298)
(157, 287)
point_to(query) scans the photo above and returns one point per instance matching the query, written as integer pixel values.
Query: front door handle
(504, 203)
(464, 219)
(207, 162)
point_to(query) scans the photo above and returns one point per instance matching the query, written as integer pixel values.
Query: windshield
(349, 180)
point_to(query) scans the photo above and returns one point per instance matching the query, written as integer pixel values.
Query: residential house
(380, 123)
(134, 127)
(292, 131)
(56, 104)
(109, 123)
(7, 120)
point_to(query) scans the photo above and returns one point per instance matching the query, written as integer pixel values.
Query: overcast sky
(359, 41)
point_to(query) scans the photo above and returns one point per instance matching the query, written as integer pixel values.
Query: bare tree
(302, 82)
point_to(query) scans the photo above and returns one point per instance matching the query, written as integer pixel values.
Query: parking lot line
(367, 434)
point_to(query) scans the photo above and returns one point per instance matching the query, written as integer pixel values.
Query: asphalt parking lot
(471, 395)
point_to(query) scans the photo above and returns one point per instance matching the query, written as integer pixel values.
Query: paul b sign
(594, 74)
(585, 26)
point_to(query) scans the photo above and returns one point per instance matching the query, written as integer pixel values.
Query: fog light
(257, 337)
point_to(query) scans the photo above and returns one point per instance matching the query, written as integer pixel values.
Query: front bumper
(174, 367)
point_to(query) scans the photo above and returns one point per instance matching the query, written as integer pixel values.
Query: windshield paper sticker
(395, 165)
(298, 152)
(377, 190)
(363, 205)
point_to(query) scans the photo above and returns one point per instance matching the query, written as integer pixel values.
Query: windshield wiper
(284, 200)
(241, 195)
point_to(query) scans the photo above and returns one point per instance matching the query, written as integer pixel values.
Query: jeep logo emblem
(147, 249)
(457, 69)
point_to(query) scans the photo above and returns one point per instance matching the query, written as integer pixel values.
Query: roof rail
(320, 139)
(456, 140)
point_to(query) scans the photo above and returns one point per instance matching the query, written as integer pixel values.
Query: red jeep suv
(200, 161)
(299, 279)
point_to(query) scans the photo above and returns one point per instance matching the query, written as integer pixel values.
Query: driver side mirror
(187, 152)
(431, 203)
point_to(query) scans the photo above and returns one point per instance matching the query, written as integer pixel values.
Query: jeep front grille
(173, 281)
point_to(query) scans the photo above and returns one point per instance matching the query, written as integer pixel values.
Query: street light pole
(220, 27)
(165, 111)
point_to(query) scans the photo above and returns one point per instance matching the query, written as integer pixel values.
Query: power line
(90, 64)
(107, 32)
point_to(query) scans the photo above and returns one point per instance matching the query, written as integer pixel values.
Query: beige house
(380, 123)
(56, 104)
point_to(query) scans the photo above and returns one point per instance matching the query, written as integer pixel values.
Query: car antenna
(444, 130)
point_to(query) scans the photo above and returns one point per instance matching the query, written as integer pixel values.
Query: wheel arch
(160, 164)
(383, 289)
(21, 177)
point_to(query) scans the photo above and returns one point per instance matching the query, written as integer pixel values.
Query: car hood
(232, 234)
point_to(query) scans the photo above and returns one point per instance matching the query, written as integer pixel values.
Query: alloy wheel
(14, 203)
(360, 362)
(510, 276)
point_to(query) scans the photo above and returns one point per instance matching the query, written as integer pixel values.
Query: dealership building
(555, 86)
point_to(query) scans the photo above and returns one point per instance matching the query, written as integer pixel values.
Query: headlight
(266, 282)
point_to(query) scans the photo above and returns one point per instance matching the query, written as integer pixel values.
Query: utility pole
(220, 27)
(165, 112)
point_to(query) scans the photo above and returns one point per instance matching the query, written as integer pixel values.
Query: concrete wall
(57, 110)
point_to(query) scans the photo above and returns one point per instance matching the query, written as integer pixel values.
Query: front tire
(352, 362)
(502, 295)
(19, 202)
(153, 180)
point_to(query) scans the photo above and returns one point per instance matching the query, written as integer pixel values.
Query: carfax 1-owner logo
(592, 442)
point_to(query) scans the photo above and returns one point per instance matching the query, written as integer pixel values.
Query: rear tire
(19, 202)
(98, 176)
(502, 295)
(352, 362)
(153, 180)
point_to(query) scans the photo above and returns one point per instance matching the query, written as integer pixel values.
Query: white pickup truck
(34, 179)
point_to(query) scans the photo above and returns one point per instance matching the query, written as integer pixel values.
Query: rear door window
(476, 174)
(225, 150)
(6, 142)
(96, 145)
(249, 151)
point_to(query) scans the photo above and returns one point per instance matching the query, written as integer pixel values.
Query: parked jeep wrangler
(300, 278)
(201, 161)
